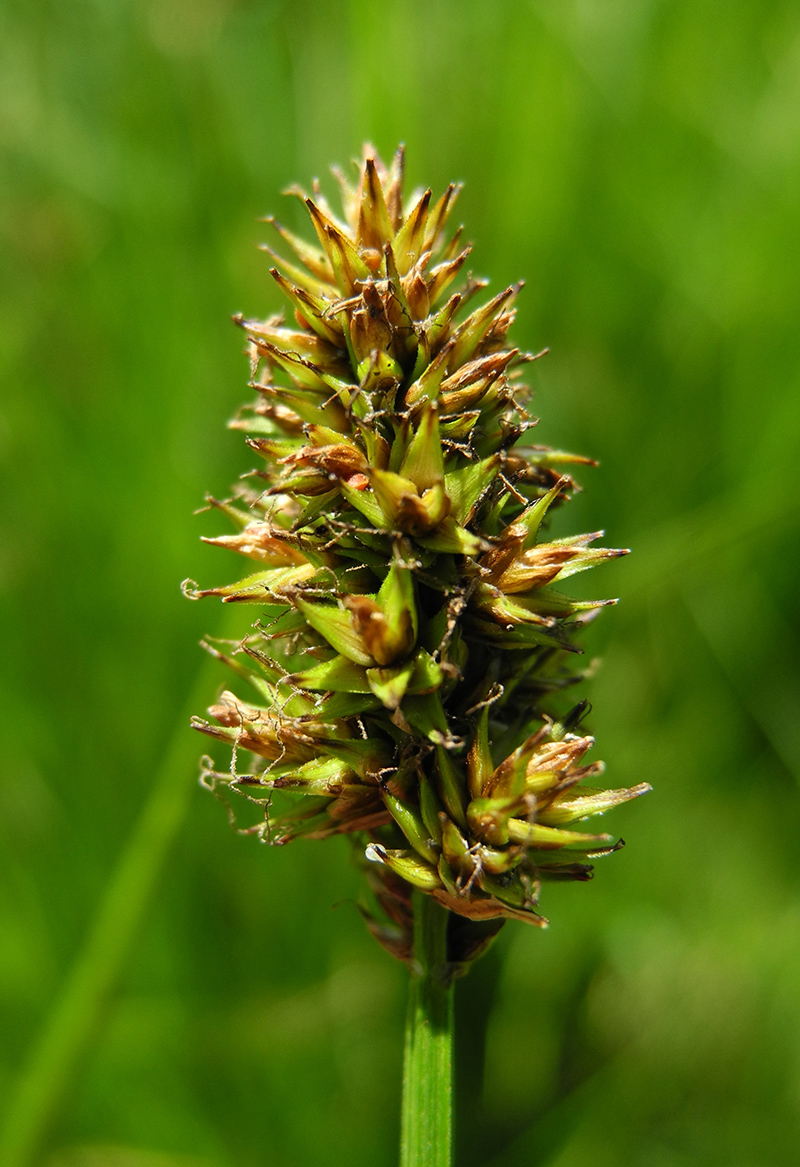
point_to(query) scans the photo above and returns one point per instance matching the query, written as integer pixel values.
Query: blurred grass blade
(69, 1028)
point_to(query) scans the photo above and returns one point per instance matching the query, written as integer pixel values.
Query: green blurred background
(638, 163)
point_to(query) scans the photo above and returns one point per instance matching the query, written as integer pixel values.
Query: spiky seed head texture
(413, 637)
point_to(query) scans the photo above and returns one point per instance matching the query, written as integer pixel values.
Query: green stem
(426, 1134)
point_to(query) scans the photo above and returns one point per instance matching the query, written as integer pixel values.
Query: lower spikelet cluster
(412, 636)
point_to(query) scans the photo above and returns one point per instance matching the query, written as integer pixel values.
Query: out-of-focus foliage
(639, 166)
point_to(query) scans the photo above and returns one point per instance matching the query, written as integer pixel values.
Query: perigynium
(412, 643)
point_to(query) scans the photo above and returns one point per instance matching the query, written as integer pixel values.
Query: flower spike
(414, 645)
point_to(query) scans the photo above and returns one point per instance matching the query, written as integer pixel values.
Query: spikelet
(413, 636)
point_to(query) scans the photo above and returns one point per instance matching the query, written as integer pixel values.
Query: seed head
(413, 641)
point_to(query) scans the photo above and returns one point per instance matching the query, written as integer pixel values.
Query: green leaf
(465, 486)
(318, 777)
(310, 407)
(389, 684)
(575, 805)
(544, 838)
(479, 759)
(407, 865)
(297, 275)
(423, 463)
(488, 818)
(531, 518)
(374, 228)
(407, 247)
(458, 428)
(430, 808)
(455, 847)
(427, 385)
(475, 327)
(450, 538)
(311, 257)
(367, 504)
(310, 307)
(259, 587)
(321, 504)
(427, 675)
(346, 705)
(337, 627)
(451, 786)
(410, 821)
(338, 675)
(390, 490)
(347, 264)
(396, 597)
(426, 715)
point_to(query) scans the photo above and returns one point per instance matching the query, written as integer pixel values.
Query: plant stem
(426, 1131)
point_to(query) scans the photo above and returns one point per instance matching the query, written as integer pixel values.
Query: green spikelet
(413, 636)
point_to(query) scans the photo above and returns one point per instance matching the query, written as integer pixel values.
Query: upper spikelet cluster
(412, 632)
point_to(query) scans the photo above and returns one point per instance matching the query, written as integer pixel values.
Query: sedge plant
(412, 644)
